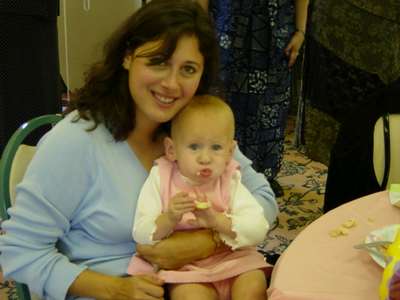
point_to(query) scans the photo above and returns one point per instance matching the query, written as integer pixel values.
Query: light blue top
(75, 206)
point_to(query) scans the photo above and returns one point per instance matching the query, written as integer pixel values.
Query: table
(317, 266)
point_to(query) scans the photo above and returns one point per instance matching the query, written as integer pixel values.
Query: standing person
(353, 51)
(197, 185)
(259, 43)
(69, 233)
(29, 67)
(364, 61)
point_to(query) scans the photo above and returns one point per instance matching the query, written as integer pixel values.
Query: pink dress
(218, 269)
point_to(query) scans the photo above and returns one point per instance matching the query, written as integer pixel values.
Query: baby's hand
(205, 214)
(205, 218)
(201, 200)
(180, 204)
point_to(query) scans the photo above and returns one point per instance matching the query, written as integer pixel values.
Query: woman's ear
(169, 149)
(127, 61)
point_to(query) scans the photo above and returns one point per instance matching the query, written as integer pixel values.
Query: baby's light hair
(202, 104)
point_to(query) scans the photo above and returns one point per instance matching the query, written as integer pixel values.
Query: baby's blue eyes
(215, 147)
(194, 146)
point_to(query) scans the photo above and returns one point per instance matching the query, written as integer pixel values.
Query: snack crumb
(343, 229)
(338, 232)
(349, 223)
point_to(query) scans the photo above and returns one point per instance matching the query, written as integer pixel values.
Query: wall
(88, 24)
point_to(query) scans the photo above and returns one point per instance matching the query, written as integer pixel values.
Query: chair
(386, 153)
(14, 161)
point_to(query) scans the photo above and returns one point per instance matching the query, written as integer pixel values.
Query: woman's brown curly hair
(105, 96)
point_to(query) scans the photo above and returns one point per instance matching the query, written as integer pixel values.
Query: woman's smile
(164, 100)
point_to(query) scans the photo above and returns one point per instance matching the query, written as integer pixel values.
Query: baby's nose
(204, 157)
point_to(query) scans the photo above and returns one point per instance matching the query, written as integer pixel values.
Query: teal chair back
(14, 160)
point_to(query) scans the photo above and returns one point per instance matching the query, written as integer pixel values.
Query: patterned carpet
(303, 183)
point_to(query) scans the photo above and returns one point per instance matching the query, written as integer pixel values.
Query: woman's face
(160, 90)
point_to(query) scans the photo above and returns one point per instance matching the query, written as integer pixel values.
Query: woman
(69, 234)
(259, 42)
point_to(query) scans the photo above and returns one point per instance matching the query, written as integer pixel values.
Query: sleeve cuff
(57, 286)
(245, 236)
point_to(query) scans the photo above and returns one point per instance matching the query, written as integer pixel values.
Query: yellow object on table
(393, 252)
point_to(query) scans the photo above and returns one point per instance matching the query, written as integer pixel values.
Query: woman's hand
(179, 249)
(293, 48)
(138, 287)
(90, 284)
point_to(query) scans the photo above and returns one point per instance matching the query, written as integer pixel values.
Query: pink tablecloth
(317, 266)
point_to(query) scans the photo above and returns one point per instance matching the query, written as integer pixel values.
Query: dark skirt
(255, 76)
(332, 89)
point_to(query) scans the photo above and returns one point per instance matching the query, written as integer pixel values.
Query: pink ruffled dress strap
(226, 180)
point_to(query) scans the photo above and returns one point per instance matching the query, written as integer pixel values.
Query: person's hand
(205, 217)
(94, 285)
(180, 204)
(293, 48)
(138, 287)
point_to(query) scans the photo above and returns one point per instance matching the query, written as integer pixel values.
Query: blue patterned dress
(255, 75)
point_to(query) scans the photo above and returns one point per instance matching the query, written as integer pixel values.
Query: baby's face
(203, 148)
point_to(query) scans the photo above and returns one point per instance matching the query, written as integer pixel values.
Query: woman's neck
(144, 130)
(147, 145)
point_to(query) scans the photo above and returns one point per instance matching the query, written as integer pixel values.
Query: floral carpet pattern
(303, 183)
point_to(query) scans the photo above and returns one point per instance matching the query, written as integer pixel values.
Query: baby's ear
(233, 147)
(169, 149)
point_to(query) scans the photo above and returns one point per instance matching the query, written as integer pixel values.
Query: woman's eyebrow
(193, 62)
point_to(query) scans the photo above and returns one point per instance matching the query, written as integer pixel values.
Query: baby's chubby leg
(192, 291)
(251, 285)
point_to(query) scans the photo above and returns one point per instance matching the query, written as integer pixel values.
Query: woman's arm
(258, 186)
(46, 199)
(301, 10)
(181, 248)
(297, 39)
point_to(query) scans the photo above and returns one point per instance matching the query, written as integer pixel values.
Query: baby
(198, 185)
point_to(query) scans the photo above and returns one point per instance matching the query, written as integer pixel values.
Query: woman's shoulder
(76, 131)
